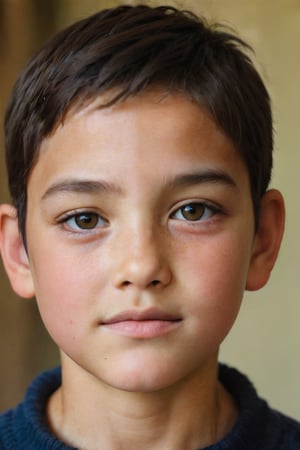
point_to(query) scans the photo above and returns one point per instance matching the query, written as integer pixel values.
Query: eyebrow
(204, 177)
(74, 185)
(81, 186)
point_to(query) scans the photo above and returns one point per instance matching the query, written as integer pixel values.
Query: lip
(143, 324)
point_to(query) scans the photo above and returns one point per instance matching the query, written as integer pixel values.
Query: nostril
(152, 283)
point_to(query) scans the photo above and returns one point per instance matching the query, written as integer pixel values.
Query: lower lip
(142, 329)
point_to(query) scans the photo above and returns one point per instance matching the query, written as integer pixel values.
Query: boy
(139, 152)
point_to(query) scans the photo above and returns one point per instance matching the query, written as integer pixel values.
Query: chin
(142, 384)
(142, 377)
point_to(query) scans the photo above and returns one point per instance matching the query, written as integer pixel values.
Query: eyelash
(207, 208)
(69, 219)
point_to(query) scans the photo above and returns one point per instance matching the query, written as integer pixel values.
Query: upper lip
(141, 315)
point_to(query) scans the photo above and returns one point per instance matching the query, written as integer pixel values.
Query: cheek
(215, 278)
(66, 293)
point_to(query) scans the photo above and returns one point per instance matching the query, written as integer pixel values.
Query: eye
(84, 221)
(193, 212)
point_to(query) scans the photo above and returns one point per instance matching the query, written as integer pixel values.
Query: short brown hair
(127, 50)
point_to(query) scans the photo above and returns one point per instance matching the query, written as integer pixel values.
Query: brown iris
(193, 211)
(87, 221)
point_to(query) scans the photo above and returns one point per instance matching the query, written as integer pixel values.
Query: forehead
(153, 130)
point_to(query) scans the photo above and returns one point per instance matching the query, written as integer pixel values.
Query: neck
(194, 414)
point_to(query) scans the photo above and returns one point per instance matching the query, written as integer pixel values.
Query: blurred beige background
(265, 340)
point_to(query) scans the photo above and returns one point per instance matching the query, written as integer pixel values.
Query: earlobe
(267, 239)
(13, 253)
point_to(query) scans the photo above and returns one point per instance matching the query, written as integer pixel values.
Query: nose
(140, 261)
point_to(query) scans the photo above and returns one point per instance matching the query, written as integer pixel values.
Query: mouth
(145, 324)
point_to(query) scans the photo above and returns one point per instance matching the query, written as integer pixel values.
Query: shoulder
(25, 427)
(7, 438)
(282, 431)
(258, 426)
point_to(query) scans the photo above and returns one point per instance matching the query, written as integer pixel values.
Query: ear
(267, 240)
(13, 253)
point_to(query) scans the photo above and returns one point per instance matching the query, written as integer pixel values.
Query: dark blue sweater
(258, 427)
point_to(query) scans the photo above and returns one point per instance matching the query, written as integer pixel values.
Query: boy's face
(140, 233)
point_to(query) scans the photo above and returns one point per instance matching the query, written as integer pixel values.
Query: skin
(141, 242)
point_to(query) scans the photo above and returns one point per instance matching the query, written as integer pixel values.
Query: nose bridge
(141, 259)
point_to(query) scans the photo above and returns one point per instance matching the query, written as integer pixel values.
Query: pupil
(193, 211)
(86, 221)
